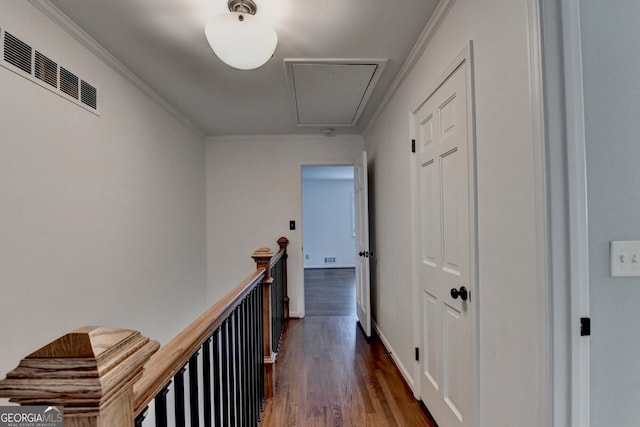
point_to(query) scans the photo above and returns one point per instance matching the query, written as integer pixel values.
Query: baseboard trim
(401, 368)
(310, 267)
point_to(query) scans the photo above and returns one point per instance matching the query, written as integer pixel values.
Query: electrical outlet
(625, 259)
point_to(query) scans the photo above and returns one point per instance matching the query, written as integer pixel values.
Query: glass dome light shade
(241, 40)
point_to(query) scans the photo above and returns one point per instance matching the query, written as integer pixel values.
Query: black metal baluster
(180, 412)
(257, 350)
(139, 419)
(232, 378)
(245, 357)
(252, 356)
(251, 360)
(194, 400)
(280, 305)
(206, 381)
(217, 408)
(225, 373)
(260, 346)
(274, 308)
(254, 352)
(280, 301)
(161, 406)
(237, 358)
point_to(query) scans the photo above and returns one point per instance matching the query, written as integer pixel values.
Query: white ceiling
(163, 43)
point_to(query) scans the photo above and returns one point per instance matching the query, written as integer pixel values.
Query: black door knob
(361, 253)
(462, 293)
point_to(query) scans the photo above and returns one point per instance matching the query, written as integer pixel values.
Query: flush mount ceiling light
(239, 38)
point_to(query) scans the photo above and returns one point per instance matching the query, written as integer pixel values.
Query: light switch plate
(625, 259)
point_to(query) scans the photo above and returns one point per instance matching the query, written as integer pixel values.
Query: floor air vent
(34, 65)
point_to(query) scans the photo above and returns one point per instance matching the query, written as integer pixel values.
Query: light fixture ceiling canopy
(239, 38)
(244, 6)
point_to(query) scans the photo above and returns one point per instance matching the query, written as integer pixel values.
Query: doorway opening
(328, 229)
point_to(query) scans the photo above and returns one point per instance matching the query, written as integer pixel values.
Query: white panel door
(361, 207)
(445, 193)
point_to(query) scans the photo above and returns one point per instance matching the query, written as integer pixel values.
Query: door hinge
(417, 354)
(413, 145)
(585, 326)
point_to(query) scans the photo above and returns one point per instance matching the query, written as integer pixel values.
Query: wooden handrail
(165, 363)
(108, 376)
(276, 257)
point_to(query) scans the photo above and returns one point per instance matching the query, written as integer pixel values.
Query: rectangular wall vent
(46, 70)
(89, 95)
(17, 52)
(69, 83)
(34, 65)
(328, 260)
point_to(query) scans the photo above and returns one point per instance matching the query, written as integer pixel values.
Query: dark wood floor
(330, 292)
(328, 374)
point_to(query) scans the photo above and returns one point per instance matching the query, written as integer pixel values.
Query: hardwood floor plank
(329, 375)
(330, 292)
(321, 383)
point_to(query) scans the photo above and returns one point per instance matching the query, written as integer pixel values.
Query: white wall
(508, 329)
(611, 67)
(327, 220)
(102, 218)
(253, 191)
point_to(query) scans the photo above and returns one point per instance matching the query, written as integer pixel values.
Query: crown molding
(441, 12)
(63, 21)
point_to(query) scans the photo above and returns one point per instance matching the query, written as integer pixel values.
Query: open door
(361, 207)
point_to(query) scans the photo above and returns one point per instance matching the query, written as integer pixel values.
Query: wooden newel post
(262, 257)
(90, 372)
(283, 242)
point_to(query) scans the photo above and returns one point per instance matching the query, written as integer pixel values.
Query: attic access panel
(331, 92)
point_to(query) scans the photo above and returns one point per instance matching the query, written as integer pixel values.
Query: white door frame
(301, 224)
(567, 209)
(466, 56)
(557, 106)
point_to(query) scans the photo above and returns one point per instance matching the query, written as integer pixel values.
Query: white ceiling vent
(34, 65)
(331, 92)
